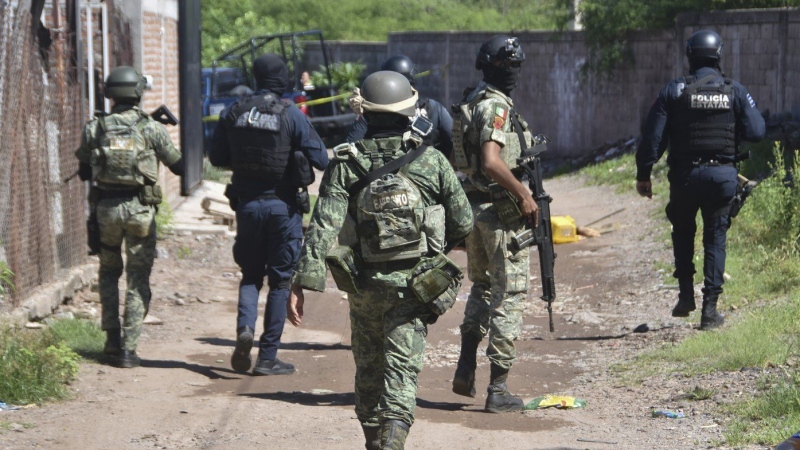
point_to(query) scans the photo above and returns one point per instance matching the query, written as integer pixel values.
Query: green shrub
(164, 219)
(216, 174)
(34, 367)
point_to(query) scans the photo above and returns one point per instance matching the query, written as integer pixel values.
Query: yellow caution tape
(320, 101)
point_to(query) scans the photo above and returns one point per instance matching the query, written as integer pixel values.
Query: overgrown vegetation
(36, 366)
(217, 174)
(763, 259)
(164, 219)
(229, 22)
(608, 23)
(345, 76)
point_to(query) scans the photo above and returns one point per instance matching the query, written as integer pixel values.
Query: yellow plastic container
(564, 229)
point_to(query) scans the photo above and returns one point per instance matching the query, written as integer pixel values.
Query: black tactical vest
(704, 123)
(260, 147)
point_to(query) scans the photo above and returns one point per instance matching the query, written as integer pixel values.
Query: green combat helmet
(389, 92)
(124, 83)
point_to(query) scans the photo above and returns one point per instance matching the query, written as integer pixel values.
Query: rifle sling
(391, 166)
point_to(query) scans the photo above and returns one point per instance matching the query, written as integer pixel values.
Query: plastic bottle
(793, 443)
(668, 414)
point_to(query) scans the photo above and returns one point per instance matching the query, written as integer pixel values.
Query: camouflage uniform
(388, 322)
(125, 218)
(499, 274)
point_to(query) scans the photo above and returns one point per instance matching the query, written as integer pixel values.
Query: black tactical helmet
(389, 92)
(704, 44)
(124, 83)
(401, 64)
(499, 48)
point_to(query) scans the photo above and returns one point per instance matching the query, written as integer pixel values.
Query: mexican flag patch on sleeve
(500, 116)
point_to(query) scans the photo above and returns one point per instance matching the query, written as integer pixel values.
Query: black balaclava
(270, 72)
(503, 78)
(698, 63)
(384, 125)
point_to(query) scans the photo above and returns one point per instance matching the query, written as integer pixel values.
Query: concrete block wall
(579, 113)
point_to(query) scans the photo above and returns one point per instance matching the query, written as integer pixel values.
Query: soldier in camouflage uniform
(499, 273)
(389, 318)
(120, 153)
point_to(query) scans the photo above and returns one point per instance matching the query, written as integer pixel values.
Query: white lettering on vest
(390, 200)
(707, 101)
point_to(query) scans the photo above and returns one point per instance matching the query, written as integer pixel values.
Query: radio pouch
(345, 268)
(505, 204)
(435, 281)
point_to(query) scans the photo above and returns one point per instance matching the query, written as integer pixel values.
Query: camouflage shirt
(491, 117)
(432, 174)
(155, 133)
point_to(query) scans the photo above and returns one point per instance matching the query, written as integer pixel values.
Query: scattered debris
(34, 325)
(595, 441)
(667, 414)
(643, 328)
(556, 401)
(152, 320)
(5, 407)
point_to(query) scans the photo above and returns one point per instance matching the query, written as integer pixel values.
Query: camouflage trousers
(500, 284)
(126, 219)
(388, 341)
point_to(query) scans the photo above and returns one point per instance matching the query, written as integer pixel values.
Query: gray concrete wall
(762, 51)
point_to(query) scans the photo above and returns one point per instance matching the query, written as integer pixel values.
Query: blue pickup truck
(230, 77)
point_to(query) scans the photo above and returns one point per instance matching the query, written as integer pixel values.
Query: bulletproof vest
(704, 124)
(392, 222)
(466, 138)
(259, 148)
(122, 156)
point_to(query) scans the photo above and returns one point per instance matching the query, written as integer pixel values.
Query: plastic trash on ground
(555, 401)
(5, 407)
(668, 414)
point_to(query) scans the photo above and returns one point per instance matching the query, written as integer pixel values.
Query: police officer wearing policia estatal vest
(398, 205)
(120, 153)
(702, 117)
(268, 143)
(440, 135)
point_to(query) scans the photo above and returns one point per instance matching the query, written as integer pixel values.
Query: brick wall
(160, 60)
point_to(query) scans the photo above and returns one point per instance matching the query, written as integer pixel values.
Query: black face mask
(503, 78)
(271, 73)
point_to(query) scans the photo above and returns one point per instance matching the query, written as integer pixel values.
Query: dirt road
(186, 396)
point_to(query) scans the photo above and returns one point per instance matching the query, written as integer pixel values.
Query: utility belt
(709, 161)
(435, 280)
(149, 195)
(302, 199)
(504, 202)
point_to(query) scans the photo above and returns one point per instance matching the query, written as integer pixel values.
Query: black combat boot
(113, 342)
(240, 360)
(685, 303)
(499, 400)
(464, 379)
(373, 437)
(127, 359)
(393, 435)
(710, 318)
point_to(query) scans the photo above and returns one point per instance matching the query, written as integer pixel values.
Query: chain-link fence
(42, 217)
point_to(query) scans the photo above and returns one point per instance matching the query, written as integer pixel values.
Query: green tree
(229, 22)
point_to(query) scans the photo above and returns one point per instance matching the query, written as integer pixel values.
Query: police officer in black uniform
(270, 146)
(703, 117)
(440, 135)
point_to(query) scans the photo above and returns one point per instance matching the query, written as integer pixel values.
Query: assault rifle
(540, 233)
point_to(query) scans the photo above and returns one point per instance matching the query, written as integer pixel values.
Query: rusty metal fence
(42, 218)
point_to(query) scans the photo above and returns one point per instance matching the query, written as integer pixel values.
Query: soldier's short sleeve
(160, 141)
(490, 118)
